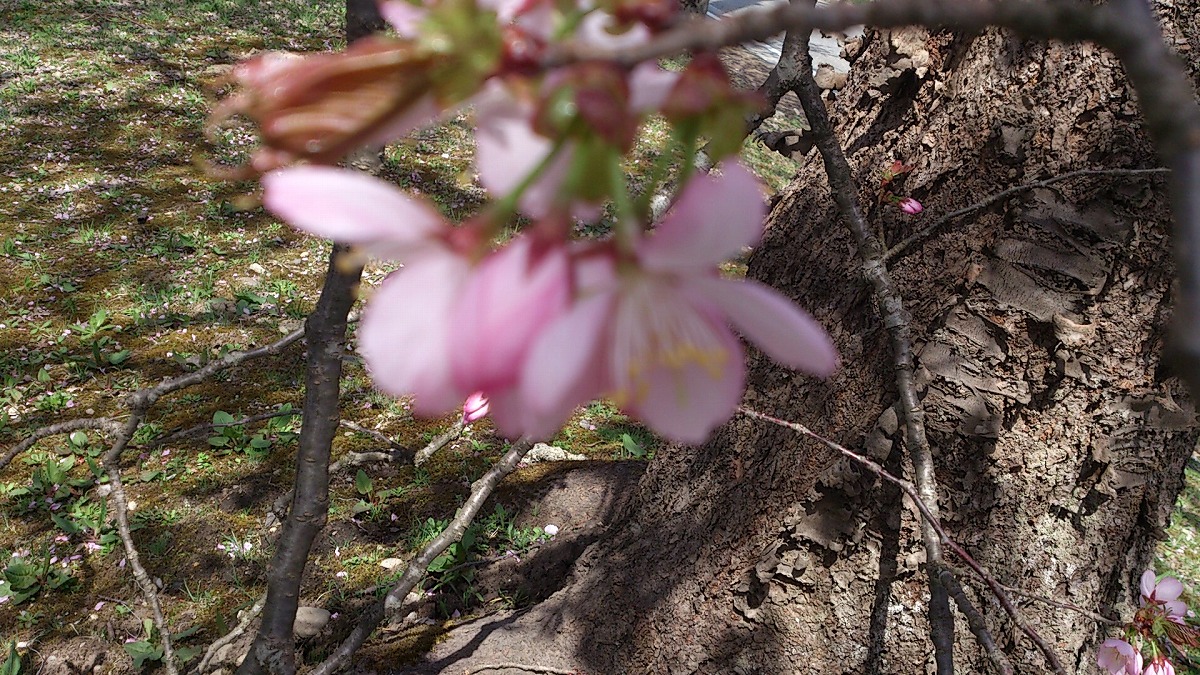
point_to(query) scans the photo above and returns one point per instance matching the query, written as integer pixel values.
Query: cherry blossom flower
(1165, 593)
(474, 408)
(1119, 657)
(445, 325)
(653, 332)
(1159, 666)
(910, 206)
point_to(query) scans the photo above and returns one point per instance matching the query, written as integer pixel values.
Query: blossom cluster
(544, 322)
(1160, 627)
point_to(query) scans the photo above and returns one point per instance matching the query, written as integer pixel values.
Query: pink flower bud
(475, 407)
(910, 206)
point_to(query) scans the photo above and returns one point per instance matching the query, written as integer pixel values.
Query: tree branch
(902, 247)
(326, 329)
(997, 589)
(896, 319)
(97, 423)
(210, 426)
(974, 619)
(394, 600)
(112, 467)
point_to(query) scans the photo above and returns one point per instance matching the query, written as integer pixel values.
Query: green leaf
(12, 664)
(218, 441)
(77, 438)
(183, 654)
(222, 418)
(141, 652)
(632, 446)
(259, 443)
(362, 482)
(119, 357)
(65, 524)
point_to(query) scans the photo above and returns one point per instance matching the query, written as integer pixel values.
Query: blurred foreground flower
(652, 331)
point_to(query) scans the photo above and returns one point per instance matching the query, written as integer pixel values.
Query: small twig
(520, 666)
(97, 423)
(112, 466)
(896, 319)
(438, 443)
(144, 398)
(974, 620)
(994, 586)
(900, 248)
(247, 618)
(211, 426)
(394, 600)
(382, 438)
(1100, 618)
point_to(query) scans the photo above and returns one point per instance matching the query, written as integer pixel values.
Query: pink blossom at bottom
(475, 407)
(1159, 666)
(910, 206)
(1119, 657)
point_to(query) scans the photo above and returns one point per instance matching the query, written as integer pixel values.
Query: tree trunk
(1059, 441)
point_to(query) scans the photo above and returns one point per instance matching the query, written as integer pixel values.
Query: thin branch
(382, 438)
(974, 620)
(997, 589)
(97, 423)
(896, 319)
(393, 602)
(901, 248)
(438, 443)
(520, 666)
(211, 426)
(144, 398)
(112, 466)
(1099, 618)
(247, 618)
(781, 79)
(1057, 19)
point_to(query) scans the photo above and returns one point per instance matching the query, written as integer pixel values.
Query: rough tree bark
(1058, 437)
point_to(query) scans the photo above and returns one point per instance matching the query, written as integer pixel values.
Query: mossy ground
(124, 264)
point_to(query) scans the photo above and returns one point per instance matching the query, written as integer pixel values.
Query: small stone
(390, 563)
(550, 530)
(550, 453)
(257, 269)
(309, 621)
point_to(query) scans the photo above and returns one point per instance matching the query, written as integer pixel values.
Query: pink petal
(1147, 585)
(1168, 589)
(351, 207)
(649, 86)
(405, 18)
(564, 367)
(714, 217)
(405, 332)
(676, 366)
(775, 324)
(507, 301)
(508, 150)
(424, 112)
(475, 407)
